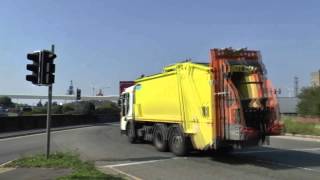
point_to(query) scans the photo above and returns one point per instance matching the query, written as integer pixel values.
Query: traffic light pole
(49, 114)
(49, 119)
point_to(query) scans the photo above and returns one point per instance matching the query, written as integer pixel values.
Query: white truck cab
(126, 99)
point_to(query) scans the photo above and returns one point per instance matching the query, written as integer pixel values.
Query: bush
(82, 107)
(67, 108)
(107, 108)
(309, 103)
(294, 127)
(39, 110)
(85, 107)
(55, 109)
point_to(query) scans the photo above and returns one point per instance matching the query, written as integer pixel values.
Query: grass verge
(81, 169)
(295, 127)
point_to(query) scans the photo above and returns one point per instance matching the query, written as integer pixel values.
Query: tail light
(276, 128)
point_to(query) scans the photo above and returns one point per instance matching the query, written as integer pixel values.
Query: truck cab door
(125, 100)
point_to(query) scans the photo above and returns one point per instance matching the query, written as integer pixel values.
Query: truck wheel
(177, 141)
(131, 132)
(160, 137)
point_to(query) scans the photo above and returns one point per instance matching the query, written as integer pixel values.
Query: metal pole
(49, 114)
(49, 119)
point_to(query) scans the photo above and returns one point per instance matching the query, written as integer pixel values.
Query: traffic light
(34, 67)
(47, 67)
(42, 67)
(78, 94)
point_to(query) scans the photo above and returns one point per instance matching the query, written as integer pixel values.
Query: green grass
(81, 169)
(294, 127)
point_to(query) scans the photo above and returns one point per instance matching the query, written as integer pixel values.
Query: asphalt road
(282, 159)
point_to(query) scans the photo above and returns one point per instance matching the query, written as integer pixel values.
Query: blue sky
(100, 42)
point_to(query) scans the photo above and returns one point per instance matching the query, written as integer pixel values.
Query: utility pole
(49, 113)
(296, 86)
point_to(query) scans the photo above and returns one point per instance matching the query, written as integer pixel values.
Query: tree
(39, 104)
(5, 101)
(309, 103)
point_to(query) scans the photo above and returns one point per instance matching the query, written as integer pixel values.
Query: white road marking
(114, 166)
(3, 164)
(276, 150)
(3, 169)
(138, 162)
(126, 174)
(53, 132)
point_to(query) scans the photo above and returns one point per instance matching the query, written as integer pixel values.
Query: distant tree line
(79, 107)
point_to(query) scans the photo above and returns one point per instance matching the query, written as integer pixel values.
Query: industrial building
(315, 78)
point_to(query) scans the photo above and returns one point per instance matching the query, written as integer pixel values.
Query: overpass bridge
(113, 98)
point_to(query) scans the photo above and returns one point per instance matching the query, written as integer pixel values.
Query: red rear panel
(244, 107)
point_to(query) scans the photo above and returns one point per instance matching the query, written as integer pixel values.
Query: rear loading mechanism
(249, 103)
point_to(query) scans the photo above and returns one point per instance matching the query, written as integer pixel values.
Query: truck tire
(177, 141)
(131, 132)
(160, 140)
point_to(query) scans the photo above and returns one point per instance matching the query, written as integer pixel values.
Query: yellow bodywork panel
(157, 99)
(181, 94)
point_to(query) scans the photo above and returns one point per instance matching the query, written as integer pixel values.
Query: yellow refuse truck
(224, 103)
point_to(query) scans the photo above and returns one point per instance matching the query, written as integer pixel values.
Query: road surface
(283, 159)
